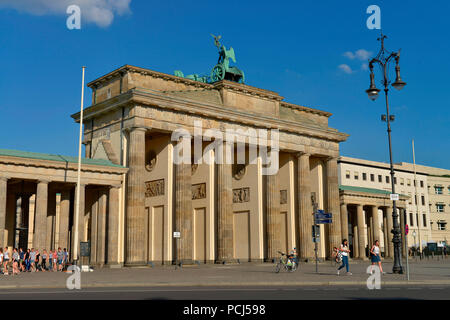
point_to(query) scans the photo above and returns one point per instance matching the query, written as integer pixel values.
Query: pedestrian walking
(44, 260)
(33, 260)
(1, 260)
(60, 258)
(55, 257)
(15, 261)
(37, 260)
(21, 260)
(375, 256)
(66, 258)
(5, 261)
(344, 250)
(27, 260)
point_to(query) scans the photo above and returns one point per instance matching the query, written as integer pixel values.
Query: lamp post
(383, 59)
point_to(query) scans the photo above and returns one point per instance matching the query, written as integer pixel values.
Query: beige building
(438, 195)
(37, 197)
(368, 183)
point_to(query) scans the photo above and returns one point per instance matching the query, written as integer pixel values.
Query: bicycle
(286, 262)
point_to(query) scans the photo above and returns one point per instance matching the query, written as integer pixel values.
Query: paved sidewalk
(426, 272)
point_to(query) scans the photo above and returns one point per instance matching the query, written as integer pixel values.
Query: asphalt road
(233, 293)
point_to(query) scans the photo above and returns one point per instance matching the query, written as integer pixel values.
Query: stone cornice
(306, 109)
(156, 99)
(246, 89)
(60, 165)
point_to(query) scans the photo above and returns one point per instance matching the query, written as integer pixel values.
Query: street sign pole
(406, 244)
(315, 234)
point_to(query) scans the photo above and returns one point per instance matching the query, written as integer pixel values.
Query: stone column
(40, 222)
(273, 215)
(376, 224)
(94, 224)
(101, 227)
(334, 229)
(344, 222)
(224, 212)
(385, 237)
(82, 204)
(113, 223)
(64, 212)
(51, 214)
(18, 219)
(360, 223)
(135, 214)
(355, 242)
(389, 233)
(305, 207)
(3, 191)
(183, 212)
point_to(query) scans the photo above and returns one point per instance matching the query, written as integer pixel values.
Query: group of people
(341, 254)
(32, 260)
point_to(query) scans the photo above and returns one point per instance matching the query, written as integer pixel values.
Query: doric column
(344, 222)
(305, 207)
(224, 212)
(82, 204)
(135, 215)
(273, 213)
(183, 211)
(334, 229)
(40, 222)
(93, 212)
(3, 191)
(101, 227)
(376, 224)
(389, 233)
(18, 220)
(51, 215)
(360, 223)
(355, 242)
(64, 212)
(113, 222)
(385, 236)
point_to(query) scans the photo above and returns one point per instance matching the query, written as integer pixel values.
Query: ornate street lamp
(383, 59)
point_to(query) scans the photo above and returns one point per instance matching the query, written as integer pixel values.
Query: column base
(114, 265)
(135, 264)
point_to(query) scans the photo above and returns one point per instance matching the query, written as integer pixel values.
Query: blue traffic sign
(322, 221)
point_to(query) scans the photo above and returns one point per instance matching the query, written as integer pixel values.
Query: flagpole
(417, 197)
(77, 206)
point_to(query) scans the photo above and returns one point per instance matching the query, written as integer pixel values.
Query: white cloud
(100, 12)
(345, 68)
(360, 54)
(364, 66)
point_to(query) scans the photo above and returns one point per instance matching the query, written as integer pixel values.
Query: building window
(410, 197)
(372, 178)
(108, 93)
(415, 199)
(438, 190)
(347, 174)
(421, 183)
(364, 176)
(417, 220)
(449, 190)
(441, 225)
(424, 216)
(387, 179)
(439, 207)
(402, 181)
(423, 199)
(356, 175)
(408, 182)
(411, 220)
(395, 180)
(380, 178)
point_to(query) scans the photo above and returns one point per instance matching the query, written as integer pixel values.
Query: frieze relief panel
(154, 188)
(241, 195)
(198, 191)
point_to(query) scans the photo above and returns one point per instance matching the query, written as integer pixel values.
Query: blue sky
(292, 47)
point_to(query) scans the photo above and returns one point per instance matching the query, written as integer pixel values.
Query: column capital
(4, 178)
(136, 129)
(43, 181)
(331, 158)
(115, 186)
(302, 153)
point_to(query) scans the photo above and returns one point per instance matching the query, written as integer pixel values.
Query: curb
(228, 284)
